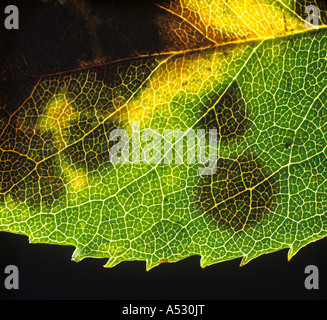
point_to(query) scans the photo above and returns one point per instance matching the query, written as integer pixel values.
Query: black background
(47, 272)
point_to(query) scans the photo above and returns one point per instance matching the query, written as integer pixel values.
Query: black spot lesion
(241, 191)
(238, 195)
(227, 113)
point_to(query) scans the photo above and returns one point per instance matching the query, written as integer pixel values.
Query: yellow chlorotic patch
(191, 74)
(76, 179)
(238, 19)
(10, 203)
(56, 118)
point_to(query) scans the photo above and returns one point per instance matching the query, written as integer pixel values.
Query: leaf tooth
(294, 249)
(113, 262)
(150, 264)
(203, 262)
(249, 257)
(78, 254)
(245, 260)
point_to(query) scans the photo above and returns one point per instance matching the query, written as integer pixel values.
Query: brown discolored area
(177, 34)
(29, 182)
(238, 195)
(201, 31)
(14, 167)
(28, 171)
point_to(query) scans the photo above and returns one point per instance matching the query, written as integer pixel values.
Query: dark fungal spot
(238, 195)
(226, 113)
(241, 191)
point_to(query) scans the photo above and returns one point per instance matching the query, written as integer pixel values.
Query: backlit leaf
(78, 71)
